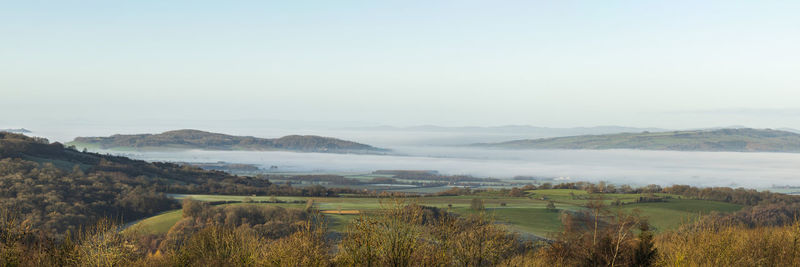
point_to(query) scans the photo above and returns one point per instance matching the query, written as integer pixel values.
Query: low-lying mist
(756, 170)
(429, 150)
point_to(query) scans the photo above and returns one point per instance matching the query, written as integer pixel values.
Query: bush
(215, 245)
(730, 245)
(476, 204)
(594, 237)
(306, 247)
(412, 235)
(551, 206)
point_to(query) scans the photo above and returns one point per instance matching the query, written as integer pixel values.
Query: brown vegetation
(730, 245)
(400, 235)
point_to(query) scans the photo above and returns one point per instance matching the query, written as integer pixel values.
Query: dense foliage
(56, 189)
(726, 194)
(55, 201)
(400, 235)
(262, 220)
(741, 196)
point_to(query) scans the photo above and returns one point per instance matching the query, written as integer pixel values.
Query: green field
(671, 214)
(159, 224)
(524, 214)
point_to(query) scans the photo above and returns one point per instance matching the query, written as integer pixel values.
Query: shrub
(476, 204)
(725, 244)
(416, 235)
(594, 237)
(551, 206)
(215, 245)
(306, 247)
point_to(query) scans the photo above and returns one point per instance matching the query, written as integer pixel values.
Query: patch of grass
(338, 223)
(159, 224)
(538, 221)
(673, 213)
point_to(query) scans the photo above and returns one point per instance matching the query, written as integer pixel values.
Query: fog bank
(757, 170)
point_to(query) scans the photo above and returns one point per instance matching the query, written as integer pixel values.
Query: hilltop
(735, 140)
(195, 139)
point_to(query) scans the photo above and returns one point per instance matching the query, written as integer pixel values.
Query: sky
(669, 64)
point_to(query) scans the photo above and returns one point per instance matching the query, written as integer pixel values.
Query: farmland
(527, 214)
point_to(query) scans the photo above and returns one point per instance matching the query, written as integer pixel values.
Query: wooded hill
(195, 139)
(735, 140)
(56, 188)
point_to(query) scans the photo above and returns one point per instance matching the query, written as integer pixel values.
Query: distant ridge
(196, 139)
(790, 130)
(537, 130)
(735, 140)
(20, 130)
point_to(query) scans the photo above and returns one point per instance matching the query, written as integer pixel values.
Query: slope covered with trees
(194, 139)
(737, 140)
(57, 189)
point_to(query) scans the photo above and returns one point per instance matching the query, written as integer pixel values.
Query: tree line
(401, 234)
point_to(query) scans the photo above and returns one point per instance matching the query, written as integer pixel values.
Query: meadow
(526, 214)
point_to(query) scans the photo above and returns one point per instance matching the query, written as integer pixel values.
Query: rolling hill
(195, 139)
(42, 152)
(734, 140)
(57, 188)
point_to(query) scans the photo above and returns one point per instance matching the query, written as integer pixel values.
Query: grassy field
(159, 224)
(525, 214)
(671, 214)
(538, 221)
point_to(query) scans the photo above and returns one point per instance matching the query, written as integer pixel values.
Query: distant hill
(194, 139)
(790, 130)
(434, 135)
(512, 129)
(20, 130)
(739, 140)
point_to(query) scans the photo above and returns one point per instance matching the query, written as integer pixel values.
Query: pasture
(527, 214)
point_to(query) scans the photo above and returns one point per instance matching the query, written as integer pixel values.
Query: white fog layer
(617, 166)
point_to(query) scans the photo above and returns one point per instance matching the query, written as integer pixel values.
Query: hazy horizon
(675, 65)
(268, 69)
(373, 134)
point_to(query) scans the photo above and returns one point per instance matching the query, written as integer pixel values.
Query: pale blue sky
(674, 64)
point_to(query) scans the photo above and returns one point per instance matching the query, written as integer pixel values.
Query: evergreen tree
(645, 253)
